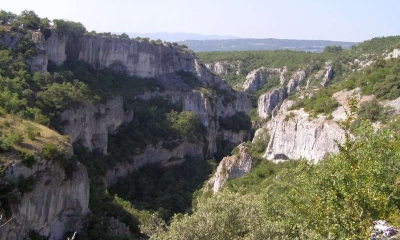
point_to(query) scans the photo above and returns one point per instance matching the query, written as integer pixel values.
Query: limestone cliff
(137, 58)
(224, 67)
(57, 204)
(230, 168)
(258, 77)
(295, 134)
(91, 124)
(269, 102)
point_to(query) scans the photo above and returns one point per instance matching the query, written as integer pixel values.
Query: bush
(13, 138)
(65, 28)
(27, 158)
(32, 131)
(52, 152)
(29, 19)
(371, 110)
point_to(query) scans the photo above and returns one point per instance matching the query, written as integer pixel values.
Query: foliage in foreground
(336, 199)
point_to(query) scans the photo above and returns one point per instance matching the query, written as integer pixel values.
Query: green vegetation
(236, 123)
(381, 79)
(337, 198)
(379, 44)
(167, 191)
(251, 60)
(190, 79)
(150, 192)
(11, 192)
(69, 28)
(31, 131)
(320, 102)
(155, 121)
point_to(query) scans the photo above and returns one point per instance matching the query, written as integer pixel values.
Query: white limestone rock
(231, 168)
(91, 124)
(295, 135)
(258, 77)
(269, 101)
(57, 203)
(297, 78)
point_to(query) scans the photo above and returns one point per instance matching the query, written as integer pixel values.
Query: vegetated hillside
(142, 131)
(352, 94)
(236, 65)
(225, 45)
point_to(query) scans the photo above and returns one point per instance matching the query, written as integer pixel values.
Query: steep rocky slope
(230, 167)
(47, 199)
(67, 196)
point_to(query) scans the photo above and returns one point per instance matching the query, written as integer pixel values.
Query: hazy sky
(351, 20)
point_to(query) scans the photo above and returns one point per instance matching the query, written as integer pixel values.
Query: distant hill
(179, 36)
(262, 44)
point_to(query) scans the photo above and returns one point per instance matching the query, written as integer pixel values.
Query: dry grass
(11, 124)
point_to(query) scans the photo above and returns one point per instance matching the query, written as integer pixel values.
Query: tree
(64, 27)
(124, 36)
(29, 19)
(6, 17)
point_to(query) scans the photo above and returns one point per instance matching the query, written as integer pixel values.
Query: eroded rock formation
(57, 204)
(230, 168)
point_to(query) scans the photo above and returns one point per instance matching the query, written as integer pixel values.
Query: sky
(343, 20)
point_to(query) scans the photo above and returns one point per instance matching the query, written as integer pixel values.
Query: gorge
(119, 138)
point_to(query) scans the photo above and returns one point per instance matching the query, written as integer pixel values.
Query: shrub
(32, 131)
(371, 110)
(52, 152)
(64, 27)
(27, 158)
(13, 138)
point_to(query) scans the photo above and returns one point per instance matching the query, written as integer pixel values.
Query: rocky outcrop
(270, 101)
(91, 124)
(136, 58)
(327, 77)
(296, 135)
(224, 68)
(211, 107)
(230, 168)
(258, 77)
(394, 54)
(57, 204)
(293, 84)
(117, 228)
(394, 104)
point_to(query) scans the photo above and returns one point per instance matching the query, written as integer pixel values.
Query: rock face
(137, 58)
(91, 124)
(294, 135)
(394, 54)
(230, 168)
(134, 57)
(297, 78)
(328, 76)
(258, 77)
(57, 204)
(225, 67)
(269, 101)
